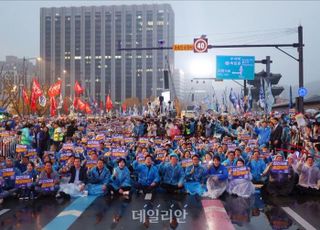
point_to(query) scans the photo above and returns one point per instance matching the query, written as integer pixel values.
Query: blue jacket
(94, 177)
(257, 168)
(263, 135)
(170, 174)
(227, 162)
(146, 176)
(221, 172)
(199, 174)
(33, 174)
(139, 130)
(9, 182)
(122, 179)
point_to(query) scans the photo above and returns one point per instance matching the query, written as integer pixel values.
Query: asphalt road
(257, 212)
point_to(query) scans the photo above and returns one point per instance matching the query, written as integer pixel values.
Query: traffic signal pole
(298, 45)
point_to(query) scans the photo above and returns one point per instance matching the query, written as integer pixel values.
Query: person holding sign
(48, 181)
(217, 180)
(148, 175)
(309, 176)
(172, 175)
(27, 191)
(195, 177)
(98, 179)
(9, 173)
(240, 180)
(120, 179)
(257, 166)
(281, 177)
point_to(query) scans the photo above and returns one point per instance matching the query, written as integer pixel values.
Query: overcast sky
(227, 22)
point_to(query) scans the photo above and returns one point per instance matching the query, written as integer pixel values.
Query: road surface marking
(3, 211)
(70, 214)
(216, 215)
(298, 218)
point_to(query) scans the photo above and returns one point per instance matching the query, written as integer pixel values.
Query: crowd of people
(118, 156)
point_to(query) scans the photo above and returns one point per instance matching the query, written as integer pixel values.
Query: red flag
(25, 96)
(108, 103)
(124, 107)
(77, 88)
(75, 103)
(55, 89)
(101, 105)
(53, 106)
(81, 105)
(36, 92)
(87, 109)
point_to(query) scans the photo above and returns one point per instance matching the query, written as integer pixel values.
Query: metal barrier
(8, 146)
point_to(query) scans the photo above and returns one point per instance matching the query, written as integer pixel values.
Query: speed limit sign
(200, 45)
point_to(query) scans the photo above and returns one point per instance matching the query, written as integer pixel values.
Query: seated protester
(217, 180)
(316, 155)
(120, 179)
(220, 153)
(22, 165)
(172, 174)
(240, 180)
(257, 167)
(148, 175)
(292, 161)
(281, 177)
(78, 179)
(195, 177)
(207, 161)
(238, 154)
(98, 179)
(230, 161)
(265, 154)
(3, 193)
(28, 191)
(48, 181)
(309, 176)
(9, 172)
(64, 170)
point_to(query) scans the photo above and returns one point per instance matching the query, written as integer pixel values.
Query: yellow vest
(57, 134)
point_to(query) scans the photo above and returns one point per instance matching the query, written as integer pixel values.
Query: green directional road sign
(235, 67)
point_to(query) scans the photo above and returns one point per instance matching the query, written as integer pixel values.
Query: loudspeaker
(166, 79)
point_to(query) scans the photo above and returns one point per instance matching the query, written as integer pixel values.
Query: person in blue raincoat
(195, 177)
(120, 179)
(148, 175)
(231, 160)
(9, 180)
(217, 180)
(172, 175)
(257, 167)
(98, 179)
(263, 133)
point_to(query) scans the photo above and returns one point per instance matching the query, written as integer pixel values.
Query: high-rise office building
(81, 44)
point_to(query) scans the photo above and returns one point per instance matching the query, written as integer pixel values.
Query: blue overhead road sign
(235, 67)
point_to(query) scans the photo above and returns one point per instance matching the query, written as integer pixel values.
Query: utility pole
(298, 45)
(300, 51)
